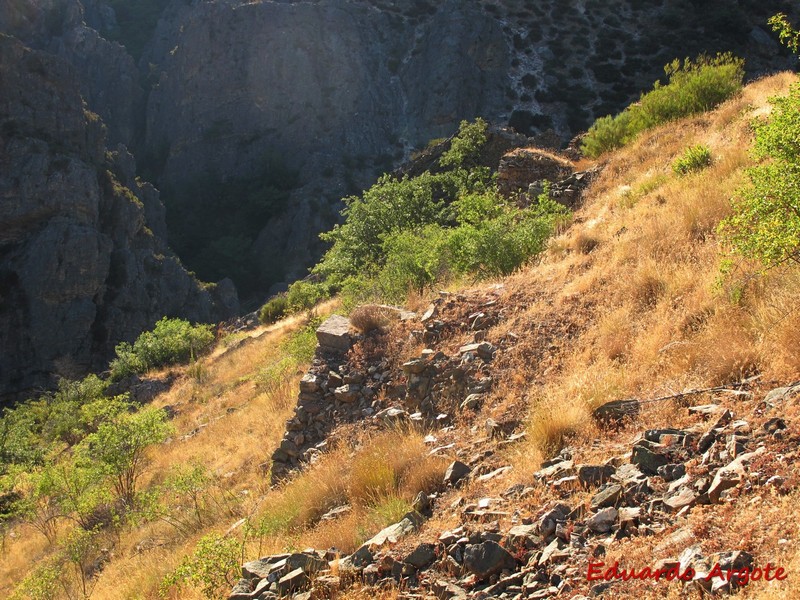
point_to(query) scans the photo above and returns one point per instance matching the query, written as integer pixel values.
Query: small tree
(765, 223)
(212, 567)
(118, 448)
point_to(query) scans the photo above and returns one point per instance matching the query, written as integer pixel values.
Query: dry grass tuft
(370, 317)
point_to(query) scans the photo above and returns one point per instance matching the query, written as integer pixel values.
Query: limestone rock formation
(82, 261)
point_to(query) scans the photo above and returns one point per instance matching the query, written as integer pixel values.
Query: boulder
(334, 334)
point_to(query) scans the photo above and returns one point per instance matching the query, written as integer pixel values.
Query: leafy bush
(171, 341)
(212, 567)
(304, 295)
(694, 158)
(693, 87)
(118, 447)
(765, 224)
(274, 309)
(410, 234)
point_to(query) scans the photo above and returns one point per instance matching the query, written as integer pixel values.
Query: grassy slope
(624, 304)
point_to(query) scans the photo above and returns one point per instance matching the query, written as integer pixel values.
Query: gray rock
(603, 520)
(347, 393)
(487, 559)
(334, 334)
(293, 581)
(456, 472)
(594, 475)
(647, 460)
(616, 411)
(606, 497)
(422, 556)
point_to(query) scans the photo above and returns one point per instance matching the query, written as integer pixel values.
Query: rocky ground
(552, 532)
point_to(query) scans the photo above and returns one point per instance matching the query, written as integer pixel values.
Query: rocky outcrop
(83, 261)
(104, 72)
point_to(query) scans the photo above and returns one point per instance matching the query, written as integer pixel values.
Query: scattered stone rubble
(428, 388)
(645, 491)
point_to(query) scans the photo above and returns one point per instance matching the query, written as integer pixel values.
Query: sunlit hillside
(634, 298)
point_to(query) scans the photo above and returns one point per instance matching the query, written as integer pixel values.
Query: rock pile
(553, 550)
(427, 388)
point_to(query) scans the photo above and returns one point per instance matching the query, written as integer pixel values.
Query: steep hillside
(467, 428)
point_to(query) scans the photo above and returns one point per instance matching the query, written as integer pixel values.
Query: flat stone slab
(334, 334)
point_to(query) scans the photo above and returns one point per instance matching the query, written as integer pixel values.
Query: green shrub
(274, 309)
(693, 87)
(304, 295)
(765, 223)
(694, 158)
(212, 567)
(172, 341)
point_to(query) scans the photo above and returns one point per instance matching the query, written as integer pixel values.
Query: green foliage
(304, 295)
(390, 205)
(694, 158)
(274, 309)
(30, 431)
(212, 567)
(42, 583)
(118, 448)
(693, 87)
(409, 234)
(765, 224)
(789, 36)
(466, 145)
(171, 341)
(300, 346)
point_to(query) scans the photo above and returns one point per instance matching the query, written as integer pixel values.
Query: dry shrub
(614, 333)
(777, 323)
(370, 317)
(584, 242)
(551, 422)
(723, 352)
(393, 463)
(646, 286)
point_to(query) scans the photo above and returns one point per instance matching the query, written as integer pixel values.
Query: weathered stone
(422, 556)
(292, 582)
(608, 496)
(682, 498)
(672, 472)
(392, 534)
(487, 559)
(242, 590)
(603, 520)
(334, 334)
(415, 366)
(456, 472)
(444, 590)
(616, 411)
(553, 552)
(594, 475)
(523, 536)
(472, 402)
(647, 460)
(546, 525)
(310, 383)
(347, 393)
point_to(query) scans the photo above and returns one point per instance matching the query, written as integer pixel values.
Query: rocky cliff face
(82, 263)
(341, 89)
